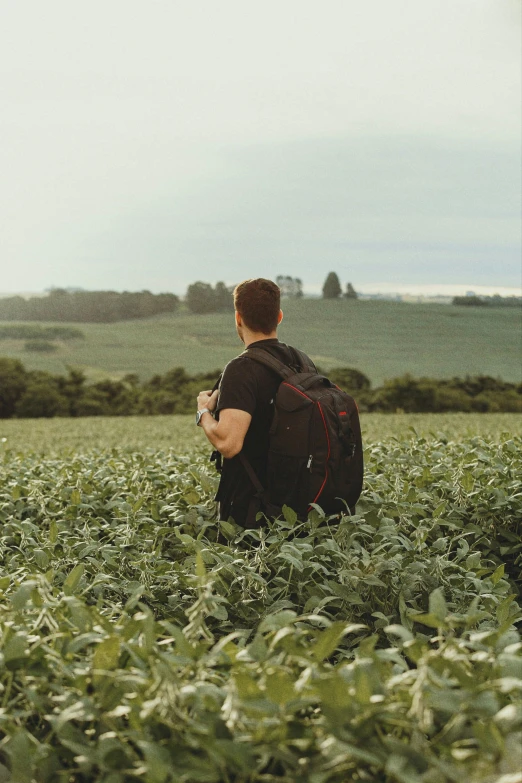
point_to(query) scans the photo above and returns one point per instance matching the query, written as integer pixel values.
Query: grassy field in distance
(383, 339)
(55, 436)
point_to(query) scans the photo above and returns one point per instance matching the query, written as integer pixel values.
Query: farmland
(143, 641)
(382, 339)
(178, 433)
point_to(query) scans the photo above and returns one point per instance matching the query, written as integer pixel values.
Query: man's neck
(254, 337)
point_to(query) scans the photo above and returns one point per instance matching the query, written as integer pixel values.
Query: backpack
(315, 447)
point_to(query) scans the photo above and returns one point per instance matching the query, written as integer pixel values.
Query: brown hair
(258, 302)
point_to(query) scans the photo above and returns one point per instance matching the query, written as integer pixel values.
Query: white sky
(150, 144)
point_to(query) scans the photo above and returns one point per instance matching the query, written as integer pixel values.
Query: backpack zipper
(327, 458)
(309, 463)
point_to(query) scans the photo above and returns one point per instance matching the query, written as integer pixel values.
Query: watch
(200, 413)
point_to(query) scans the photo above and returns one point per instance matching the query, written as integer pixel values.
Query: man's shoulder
(238, 363)
(241, 366)
(243, 363)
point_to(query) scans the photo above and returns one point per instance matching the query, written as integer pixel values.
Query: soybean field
(142, 640)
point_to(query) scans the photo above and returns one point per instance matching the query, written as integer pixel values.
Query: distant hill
(382, 339)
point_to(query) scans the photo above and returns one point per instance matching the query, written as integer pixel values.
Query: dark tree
(332, 287)
(13, 382)
(469, 301)
(350, 292)
(223, 297)
(42, 399)
(350, 379)
(290, 286)
(200, 298)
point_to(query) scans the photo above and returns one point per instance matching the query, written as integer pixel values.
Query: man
(243, 404)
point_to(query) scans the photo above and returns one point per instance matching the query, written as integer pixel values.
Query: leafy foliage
(421, 395)
(36, 394)
(143, 641)
(203, 298)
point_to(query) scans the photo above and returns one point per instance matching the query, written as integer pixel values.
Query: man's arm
(227, 434)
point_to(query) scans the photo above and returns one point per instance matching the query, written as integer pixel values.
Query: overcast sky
(151, 144)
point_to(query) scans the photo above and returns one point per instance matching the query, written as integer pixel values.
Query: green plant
(140, 640)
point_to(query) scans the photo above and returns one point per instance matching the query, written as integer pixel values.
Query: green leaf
(229, 531)
(328, 640)
(22, 595)
(280, 688)
(246, 686)
(504, 608)
(138, 504)
(73, 580)
(289, 515)
(489, 737)
(106, 654)
(258, 649)
(201, 571)
(273, 622)
(76, 497)
(431, 620)
(158, 761)
(467, 481)
(498, 574)
(220, 613)
(53, 532)
(15, 648)
(41, 557)
(21, 754)
(437, 604)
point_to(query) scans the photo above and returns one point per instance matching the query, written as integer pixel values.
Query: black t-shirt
(249, 386)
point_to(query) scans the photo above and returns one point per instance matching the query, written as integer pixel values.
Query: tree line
(37, 394)
(87, 306)
(61, 304)
(487, 301)
(200, 298)
(203, 298)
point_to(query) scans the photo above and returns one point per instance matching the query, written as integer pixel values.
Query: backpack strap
(251, 474)
(258, 500)
(283, 370)
(263, 357)
(303, 361)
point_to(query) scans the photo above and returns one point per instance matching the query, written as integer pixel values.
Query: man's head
(258, 306)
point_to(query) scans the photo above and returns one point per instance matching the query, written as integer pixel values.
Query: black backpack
(315, 448)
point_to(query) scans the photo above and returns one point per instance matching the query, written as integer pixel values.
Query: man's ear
(238, 319)
(279, 317)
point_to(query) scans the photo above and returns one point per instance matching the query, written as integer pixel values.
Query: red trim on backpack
(319, 493)
(342, 413)
(325, 429)
(327, 458)
(297, 390)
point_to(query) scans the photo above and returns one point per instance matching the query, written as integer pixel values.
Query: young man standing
(244, 403)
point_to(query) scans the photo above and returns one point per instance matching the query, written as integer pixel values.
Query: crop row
(143, 641)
